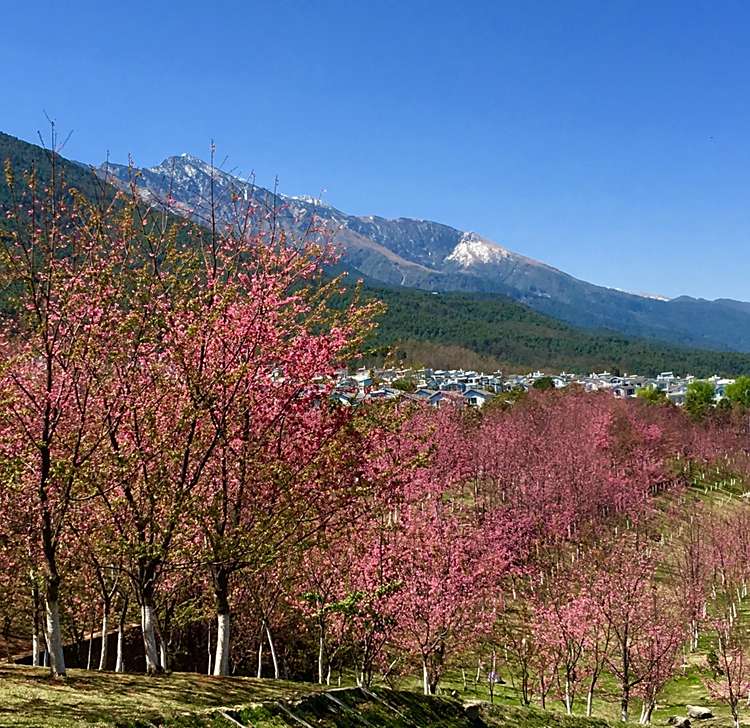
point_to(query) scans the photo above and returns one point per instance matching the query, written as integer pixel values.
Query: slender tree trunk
(105, 638)
(321, 653)
(92, 627)
(260, 655)
(210, 652)
(425, 677)
(35, 646)
(272, 648)
(163, 654)
(120, 658)
(590, 700)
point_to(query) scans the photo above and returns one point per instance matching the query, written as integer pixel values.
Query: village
(475, 389)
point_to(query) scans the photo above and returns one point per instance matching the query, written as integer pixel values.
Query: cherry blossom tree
(55, 347)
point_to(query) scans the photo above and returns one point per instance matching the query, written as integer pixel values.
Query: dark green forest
(451, 329)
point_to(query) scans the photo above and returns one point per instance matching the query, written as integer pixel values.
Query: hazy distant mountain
(432, 256)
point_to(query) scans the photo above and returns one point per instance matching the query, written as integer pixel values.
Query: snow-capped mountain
(433, 256)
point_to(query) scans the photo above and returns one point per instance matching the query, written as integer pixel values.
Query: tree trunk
(210, 652)
(590, 700)
(260, 655)
(223, 626)
(105, 638)
(624, 703)
(153, 666)
(35, 647)
(54, 633)
(163, 654)
(425, 677)
(646, 712)
(120, 658)
(91, 642)
(272, 648)
(321, 652)
(221, 659)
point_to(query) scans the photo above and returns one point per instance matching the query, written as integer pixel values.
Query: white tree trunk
(210, 652)
(590, 702)
(54, 638)
(273, 654)
(163, 657)
(91, 643)
(425, 677)
(105, 640)
(120, 659)
(320, 658)
(149, 640)
(221, 661)
(259, 673)
(35, 649)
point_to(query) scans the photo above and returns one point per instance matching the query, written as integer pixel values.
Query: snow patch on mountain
(642, 294)
(309, 200)
(473, 249)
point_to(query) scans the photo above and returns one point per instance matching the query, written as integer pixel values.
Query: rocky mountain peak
(473, 249)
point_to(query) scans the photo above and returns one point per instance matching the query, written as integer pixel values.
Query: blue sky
(610, 138)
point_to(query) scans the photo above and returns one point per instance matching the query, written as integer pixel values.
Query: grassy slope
(29, 698)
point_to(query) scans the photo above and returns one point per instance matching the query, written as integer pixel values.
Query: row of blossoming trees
(169, 449)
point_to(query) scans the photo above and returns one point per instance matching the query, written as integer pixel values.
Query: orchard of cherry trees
(171, 461)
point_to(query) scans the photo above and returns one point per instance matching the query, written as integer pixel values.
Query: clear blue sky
(608, 138)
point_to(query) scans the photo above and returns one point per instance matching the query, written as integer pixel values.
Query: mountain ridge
(429, 255)
(466, 328)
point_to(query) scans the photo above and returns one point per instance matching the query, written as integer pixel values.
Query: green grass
(28, 697)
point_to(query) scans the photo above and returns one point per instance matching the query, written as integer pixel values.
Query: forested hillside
(455, 329)
(22, 157)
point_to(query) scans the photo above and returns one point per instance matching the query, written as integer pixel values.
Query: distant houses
(476, 389)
